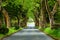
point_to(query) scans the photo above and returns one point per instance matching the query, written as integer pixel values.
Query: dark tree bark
(24, 22)
(18, 18)
(0, 4)
(0, 23)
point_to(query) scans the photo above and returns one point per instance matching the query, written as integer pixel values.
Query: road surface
(29, 33)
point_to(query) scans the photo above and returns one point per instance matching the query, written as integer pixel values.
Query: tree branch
(47, 7)
(0, 4)
(58, 2)
(54, 9)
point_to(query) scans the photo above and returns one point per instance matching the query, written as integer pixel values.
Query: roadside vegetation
(11, 31)
(54, 33)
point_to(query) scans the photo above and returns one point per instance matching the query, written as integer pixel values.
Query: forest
(14, 15)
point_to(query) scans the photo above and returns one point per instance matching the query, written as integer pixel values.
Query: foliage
(54, 32)
(4, 30)
(57, 15)
(11, 30)
(16, 27)
(25, 8)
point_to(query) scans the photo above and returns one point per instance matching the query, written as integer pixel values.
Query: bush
(16, 27)
(4, 30)
(53, 32)
(48, 30)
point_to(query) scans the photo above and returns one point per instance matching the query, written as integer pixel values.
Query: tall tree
(36, 15)
(7, 19)
(51, 13)
(43, 14)
(5, 14)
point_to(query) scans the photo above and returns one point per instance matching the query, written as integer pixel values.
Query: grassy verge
(11, 31)
(55, 33)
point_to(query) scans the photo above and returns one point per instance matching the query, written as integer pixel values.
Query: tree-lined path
(29, 33)
(15, 15)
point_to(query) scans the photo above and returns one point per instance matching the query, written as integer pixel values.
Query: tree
(36, 15)
(43, 14)
(51, 13)
(5, 13)
(7, 19)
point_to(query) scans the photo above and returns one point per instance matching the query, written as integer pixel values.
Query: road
(29, 33)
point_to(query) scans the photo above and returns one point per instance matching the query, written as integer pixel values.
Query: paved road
(29, 33)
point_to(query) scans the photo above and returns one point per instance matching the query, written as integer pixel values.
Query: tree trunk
(51, 13)
(0, 23)
(18, 18)
(36, 21)
(7, 19)
(58, 2)
(18, 22)
(0, 4)
(43, 12)
(51, 18)
(23, 23)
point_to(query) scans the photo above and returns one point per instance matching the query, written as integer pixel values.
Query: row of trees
(18, 11)
(50, 10)
(12, 11)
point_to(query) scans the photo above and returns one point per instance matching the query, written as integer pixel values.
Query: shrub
(48, 30)
(53, 32)
(4, 30)
(16, 27)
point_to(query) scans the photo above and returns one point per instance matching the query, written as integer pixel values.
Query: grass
(11, 30)
(55, 33)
